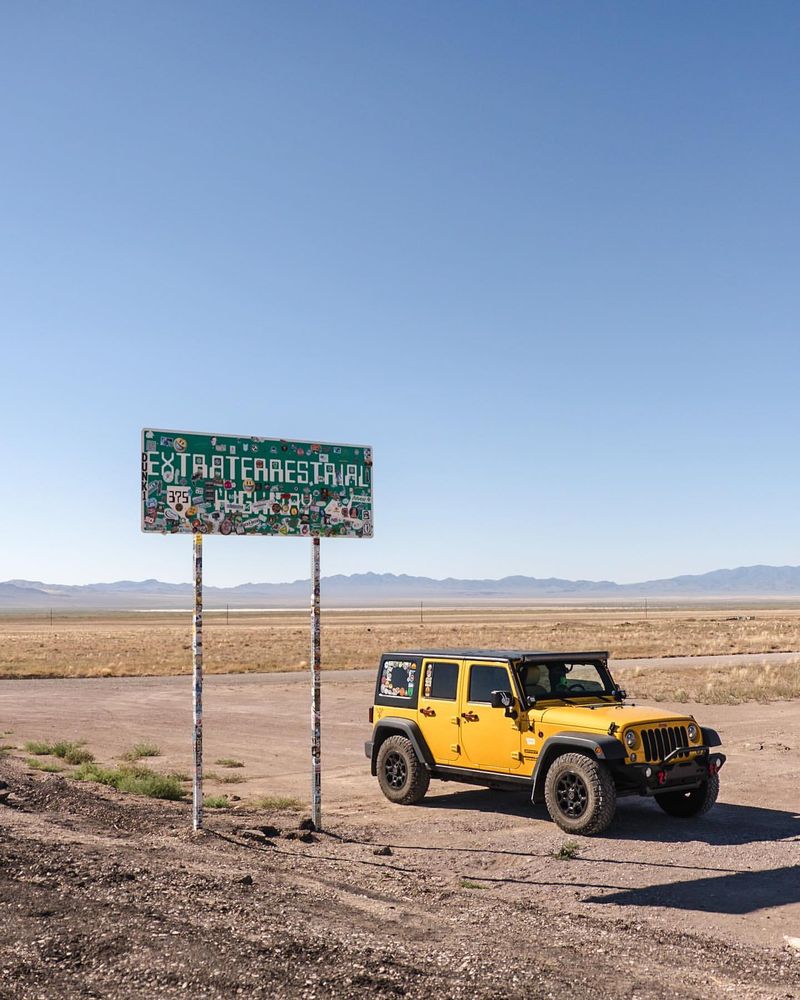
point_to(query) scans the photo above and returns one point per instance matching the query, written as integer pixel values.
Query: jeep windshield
(564, 681)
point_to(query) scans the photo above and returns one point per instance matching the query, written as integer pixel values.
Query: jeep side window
(441, 681)
(484, 679)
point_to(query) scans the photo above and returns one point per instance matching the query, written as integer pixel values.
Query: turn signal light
(371, 712)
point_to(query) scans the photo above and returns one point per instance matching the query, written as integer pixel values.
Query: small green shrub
(467, 883)
(229, 762)
(74, 754)
(138, 780)
(140, 750)
(68, 750)
(568, 850)
(43, 765)
(279, 803)
(216, 802)
(231, 779)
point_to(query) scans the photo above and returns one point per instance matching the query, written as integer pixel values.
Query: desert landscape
(106, 891)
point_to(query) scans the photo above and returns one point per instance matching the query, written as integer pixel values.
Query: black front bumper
(675, 774)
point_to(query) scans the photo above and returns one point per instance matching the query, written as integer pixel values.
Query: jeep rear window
(441, 681)
(398, 678)
(483, 680)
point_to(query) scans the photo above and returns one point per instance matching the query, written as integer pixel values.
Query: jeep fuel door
(438, 715)
(490, 740)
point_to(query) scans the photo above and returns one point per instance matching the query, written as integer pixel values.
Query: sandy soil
(104, 895)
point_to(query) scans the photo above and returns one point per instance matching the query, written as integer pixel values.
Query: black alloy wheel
(394, 767)
(580, 793)
(571, 794)
(403, 777)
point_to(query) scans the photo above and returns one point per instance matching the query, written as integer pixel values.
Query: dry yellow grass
(760, 682)
(116, 645)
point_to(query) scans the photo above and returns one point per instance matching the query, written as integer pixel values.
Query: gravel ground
(107, 895)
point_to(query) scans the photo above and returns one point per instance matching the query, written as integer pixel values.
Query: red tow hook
(662, 777)
(713, 768)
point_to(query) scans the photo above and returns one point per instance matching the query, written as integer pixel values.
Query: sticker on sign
(224, 484)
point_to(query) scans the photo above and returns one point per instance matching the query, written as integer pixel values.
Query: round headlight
(630, 739)
(691, 729)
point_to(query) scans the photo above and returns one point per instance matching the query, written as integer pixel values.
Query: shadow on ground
(742, 892)
(642, 819)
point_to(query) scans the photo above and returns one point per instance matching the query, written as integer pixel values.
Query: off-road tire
(403, 777)
(590, 806)
(691, 803)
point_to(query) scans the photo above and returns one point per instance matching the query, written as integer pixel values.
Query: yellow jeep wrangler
(555, 723)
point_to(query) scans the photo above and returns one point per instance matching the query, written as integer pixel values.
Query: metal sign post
(197, 686)
(223, 484)
(316, 759)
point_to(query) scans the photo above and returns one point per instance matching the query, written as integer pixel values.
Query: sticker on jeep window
(398, 678)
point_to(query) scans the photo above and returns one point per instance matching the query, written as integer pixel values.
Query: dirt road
(110, 896)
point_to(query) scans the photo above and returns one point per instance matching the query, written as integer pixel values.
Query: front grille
(658, 743)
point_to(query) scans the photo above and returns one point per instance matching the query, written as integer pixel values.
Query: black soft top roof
(532, 656)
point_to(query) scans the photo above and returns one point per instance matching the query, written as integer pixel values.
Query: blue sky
(543, 257)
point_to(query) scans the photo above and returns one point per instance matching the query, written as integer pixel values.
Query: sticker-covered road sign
(219, 484)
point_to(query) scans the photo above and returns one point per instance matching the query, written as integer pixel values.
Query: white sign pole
(316, 763)
(197, 679)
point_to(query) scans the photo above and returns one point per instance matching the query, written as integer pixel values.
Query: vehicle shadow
(740, 892)
(726, 824)
(642, 819)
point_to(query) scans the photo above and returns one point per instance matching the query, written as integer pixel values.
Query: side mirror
(619, 694)
(504, 699)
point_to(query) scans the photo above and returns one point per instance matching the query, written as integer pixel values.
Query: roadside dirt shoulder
(104, 895)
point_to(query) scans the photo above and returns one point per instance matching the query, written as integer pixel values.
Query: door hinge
(455, 748)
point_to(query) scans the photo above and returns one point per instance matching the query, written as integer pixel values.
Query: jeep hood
(601, 717)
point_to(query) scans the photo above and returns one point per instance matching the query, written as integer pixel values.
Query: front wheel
(691, 803)
(402, 776)
(580, 794)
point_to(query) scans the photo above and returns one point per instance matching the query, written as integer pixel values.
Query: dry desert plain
(107, 894)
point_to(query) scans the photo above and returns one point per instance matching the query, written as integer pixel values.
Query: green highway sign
(224, 485)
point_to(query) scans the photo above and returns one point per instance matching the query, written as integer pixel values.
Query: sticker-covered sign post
(316, 736)
(218, 484)
(197, 686)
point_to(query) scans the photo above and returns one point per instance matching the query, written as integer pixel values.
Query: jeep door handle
(469, 716)
(427, 711)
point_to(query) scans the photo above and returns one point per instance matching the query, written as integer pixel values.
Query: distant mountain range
(387, 589)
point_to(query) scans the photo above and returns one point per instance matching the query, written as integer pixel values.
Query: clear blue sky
(543, 257)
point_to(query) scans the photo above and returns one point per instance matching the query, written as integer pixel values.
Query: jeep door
(490, 740)
(438, 715)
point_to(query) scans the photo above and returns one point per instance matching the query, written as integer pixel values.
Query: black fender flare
(597, 747)
(710, 737)
(400, 727)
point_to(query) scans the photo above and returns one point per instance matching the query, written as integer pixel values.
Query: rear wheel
(401, 774)
(692, 803)
(580, 794)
